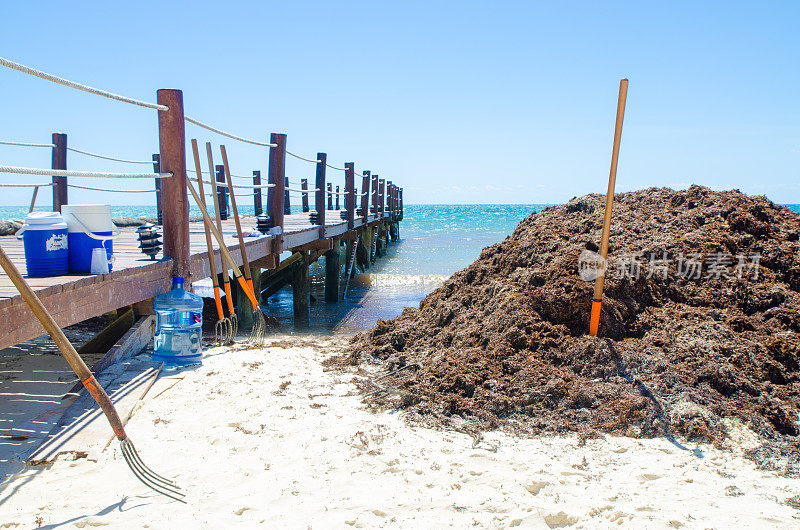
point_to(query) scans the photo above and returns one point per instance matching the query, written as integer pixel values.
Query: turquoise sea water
(436, 241)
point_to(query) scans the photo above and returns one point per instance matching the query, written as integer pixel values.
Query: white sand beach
(269, 438)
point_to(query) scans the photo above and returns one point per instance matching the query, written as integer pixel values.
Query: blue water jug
(179, 314)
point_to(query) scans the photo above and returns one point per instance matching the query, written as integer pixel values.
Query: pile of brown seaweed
(700, 329)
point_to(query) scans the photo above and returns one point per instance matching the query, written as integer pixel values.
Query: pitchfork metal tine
(147, 476)
(259, 327)
(234, 325)
(135, 455)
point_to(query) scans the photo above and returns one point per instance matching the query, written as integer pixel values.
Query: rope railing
(229, 135)
(104, 157)
(70, 173)
(237, 186)
(108, 189)
(295, 190)
(26, 185)
(302, 158)
(124, 99)
(78, 86)
(25, 144)
(75, 150)
(194, 172)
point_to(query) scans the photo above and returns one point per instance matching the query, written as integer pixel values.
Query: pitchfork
(224, 329)
(147, 476)
(259, 324)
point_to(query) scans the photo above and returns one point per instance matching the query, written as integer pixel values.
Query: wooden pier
(369, 217)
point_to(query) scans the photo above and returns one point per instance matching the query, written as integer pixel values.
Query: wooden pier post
(319, 197)
(59, 161)
(381, 196)
(277, 176)
(287, 206)
(157, 169)
(375, 194)
(304, 187)
(258, 209)
(389, 197)
(330, 196)
(350, 193)
(337, 198)
(365, 181)
(172, 151)
(301, 293)
(333, 267)
(222, 192)
(401, 204)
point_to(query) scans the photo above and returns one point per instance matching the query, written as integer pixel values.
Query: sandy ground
(267, 437)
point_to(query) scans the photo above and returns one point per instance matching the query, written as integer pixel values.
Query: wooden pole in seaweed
(597, 302)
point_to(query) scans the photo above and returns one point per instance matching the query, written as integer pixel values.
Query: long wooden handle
(67, 350)
(223, 249)
(211, 178)
(245, 262)
(209, 245)
(597, 302)
(212, 262)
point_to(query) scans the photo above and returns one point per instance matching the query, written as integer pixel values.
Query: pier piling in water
(333, 266)
(301, 293)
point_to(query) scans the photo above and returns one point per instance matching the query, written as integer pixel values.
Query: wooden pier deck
(135, 277)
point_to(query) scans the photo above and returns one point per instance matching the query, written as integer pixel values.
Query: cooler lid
(45, 219)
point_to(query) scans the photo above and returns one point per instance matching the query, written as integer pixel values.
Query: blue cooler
(44, 237)
(89, 227)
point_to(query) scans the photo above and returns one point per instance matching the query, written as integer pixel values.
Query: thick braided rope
(55, 79)
(69, 173)
(25, 144)
(26, 185)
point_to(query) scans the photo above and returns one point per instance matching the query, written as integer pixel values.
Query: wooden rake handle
(223, 249)
(597, 301)
(67, 350)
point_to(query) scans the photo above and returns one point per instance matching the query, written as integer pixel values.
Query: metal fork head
(220, 332)
(234, 323)
(259, 330)
(147, 476)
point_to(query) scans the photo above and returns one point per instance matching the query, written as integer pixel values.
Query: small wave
(399, 279)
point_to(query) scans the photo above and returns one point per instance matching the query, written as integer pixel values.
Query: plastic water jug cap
(177, 281)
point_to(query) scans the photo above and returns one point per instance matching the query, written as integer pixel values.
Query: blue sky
(459, 102)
